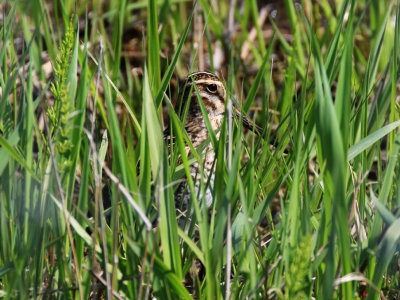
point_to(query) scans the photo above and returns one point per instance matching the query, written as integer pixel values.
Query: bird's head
(212, 92)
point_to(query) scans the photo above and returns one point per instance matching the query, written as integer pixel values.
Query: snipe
(212, 92)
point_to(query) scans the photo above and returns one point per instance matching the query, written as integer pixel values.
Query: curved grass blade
(371, 139)
(259, 76)
(168, 74)
(17, 157)
(159, 165)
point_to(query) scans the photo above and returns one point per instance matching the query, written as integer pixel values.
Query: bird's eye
(212, 88)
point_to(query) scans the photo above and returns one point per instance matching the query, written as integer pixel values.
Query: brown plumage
(213, 94)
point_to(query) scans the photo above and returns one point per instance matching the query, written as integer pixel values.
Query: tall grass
(307, 209)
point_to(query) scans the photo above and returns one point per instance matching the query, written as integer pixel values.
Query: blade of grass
(332, 155)
(153, 47)
(168, 74)
(203, 227)
(371, 139)
(343, 94)
(168, 224)
(386, 250)
(260, 74)
(17, 157)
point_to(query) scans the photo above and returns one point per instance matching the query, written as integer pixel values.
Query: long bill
(247, 123)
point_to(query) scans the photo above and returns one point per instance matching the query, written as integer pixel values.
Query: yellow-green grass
(295, 214)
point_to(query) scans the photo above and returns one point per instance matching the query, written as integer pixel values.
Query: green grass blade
(260, 74)
(371, 139)
(343, 94)
(168, 74)
(153, 47)
(332, 155)
(17, 157)
(384, 255)
(159, 165)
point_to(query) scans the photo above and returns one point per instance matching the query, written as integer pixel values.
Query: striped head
(213, 94)
(211, 90)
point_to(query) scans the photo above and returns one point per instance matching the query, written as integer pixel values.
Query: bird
(211, 90)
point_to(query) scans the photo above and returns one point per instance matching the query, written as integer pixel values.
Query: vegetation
(309, 209)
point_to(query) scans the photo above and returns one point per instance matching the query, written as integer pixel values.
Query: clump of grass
(325, 94)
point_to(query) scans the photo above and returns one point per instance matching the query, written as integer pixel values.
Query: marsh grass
(308, 209)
